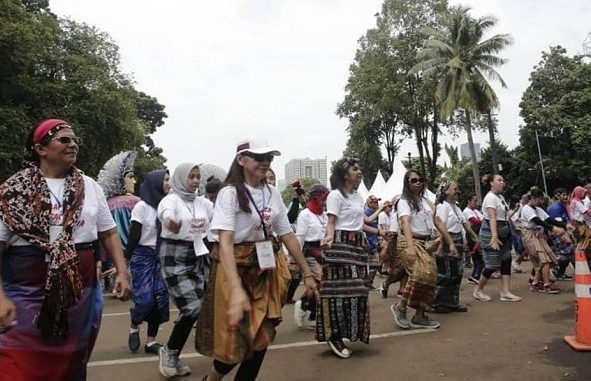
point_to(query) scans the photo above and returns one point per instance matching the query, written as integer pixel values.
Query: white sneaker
(298, 313)
(509, 297)
(480, 295)
(311, 324)
(516, 267)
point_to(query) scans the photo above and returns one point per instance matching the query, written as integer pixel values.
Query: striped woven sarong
(492, 258)
(450, 271)
(343, 310)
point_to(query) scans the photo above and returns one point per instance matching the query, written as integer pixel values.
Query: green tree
(461, 60)
(382, 103)
(557, 104)
(51, 67)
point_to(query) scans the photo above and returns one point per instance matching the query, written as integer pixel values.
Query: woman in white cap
(184, 261)
(249, 276)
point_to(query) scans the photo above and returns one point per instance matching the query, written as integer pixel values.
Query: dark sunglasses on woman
(68, 139)
(416, 180)
(260, 157)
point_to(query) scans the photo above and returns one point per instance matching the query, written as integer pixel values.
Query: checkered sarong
(185, 275)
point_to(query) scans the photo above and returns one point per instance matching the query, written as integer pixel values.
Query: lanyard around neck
(249, 195)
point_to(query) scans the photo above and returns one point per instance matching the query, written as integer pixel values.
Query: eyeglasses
(415, 180)
(260, 157)
(68, 139)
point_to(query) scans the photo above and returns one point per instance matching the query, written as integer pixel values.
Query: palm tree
(462, 61)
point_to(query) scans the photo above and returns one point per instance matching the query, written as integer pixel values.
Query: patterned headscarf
(578, 194)
(25, 207)
(441, 190)
(179, 179)
(112, 177)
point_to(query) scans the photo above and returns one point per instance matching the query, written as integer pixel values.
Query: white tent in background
(378, 184)
(362, 190)
(394, 185)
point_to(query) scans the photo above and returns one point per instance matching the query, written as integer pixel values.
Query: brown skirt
(536, 246)
(267, 291)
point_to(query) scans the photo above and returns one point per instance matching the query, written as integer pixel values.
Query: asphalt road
(492, 341)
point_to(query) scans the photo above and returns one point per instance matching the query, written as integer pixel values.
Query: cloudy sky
(228, 69)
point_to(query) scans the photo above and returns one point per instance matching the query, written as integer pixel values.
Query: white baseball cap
(257, 146)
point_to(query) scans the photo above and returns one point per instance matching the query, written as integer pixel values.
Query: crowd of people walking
(223, 258)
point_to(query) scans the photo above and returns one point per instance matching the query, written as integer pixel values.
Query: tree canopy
(59, 68)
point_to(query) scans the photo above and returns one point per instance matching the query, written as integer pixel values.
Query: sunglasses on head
(416, 180)
(68, 139)
(260, 157)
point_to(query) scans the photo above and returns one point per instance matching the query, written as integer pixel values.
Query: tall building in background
(305, 169)
(465, 151)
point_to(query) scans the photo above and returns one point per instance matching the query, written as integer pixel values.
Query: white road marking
(272, 347)
(127, 313)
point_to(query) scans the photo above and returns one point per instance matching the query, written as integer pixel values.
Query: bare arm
(445, 234)
(293, 246)
(495, 243)
(111, 241)
(411, 253)
(7, 308)
(330, 227)
(238, 301)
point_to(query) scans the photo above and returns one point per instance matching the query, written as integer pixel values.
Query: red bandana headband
(48, 126)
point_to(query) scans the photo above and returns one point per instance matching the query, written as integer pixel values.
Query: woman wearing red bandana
(310, 230)
(51, 215)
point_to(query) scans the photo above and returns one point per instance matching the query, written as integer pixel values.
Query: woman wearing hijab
(183, 255)
(50, 300)
(310, 230)
(149, 295)
(581, 220)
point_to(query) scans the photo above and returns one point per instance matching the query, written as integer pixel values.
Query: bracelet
(308, 276)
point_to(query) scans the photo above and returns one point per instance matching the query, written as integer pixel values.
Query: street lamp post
(409, 163)
(541, 162)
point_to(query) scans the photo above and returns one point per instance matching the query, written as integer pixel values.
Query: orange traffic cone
(582, 339)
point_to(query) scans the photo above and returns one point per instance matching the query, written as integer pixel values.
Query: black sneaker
(339, 348)
(134, 341)
(153, 348)
(383, 291)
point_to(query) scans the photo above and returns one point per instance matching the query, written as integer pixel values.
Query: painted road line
(272, 347)
(127, 313)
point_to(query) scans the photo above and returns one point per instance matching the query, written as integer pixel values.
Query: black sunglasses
(68, 139)
(260, 157)
(416, 180)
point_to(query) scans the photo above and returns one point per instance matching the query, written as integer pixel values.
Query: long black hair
(235, 178)
(339, 171)
(415, 202)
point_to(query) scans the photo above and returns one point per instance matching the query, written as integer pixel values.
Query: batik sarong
(149, 294)
(450, 271)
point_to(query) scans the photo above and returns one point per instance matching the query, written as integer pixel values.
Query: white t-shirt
(145, 215)
(452, 216)
(495, 201)
(311, 227)
(578, 214)
(94, 218)
(528, 214)
(421, 222)
(247, 227)
(348, 210)
(385, 219)
(469, 213)
(210, 236)
(587, 202)
(394, 227)
(195, 219)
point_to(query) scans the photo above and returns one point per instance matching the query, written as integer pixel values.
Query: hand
(7, 314)
(174, 226)
(238, 304)
(453, 251)
(108, 273)
(311, 288)
(326, 243)
(121, 288)
(558, 230)
(382, 232)
(411, 253)
(495, 243)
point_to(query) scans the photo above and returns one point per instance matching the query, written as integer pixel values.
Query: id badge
(265, 255)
